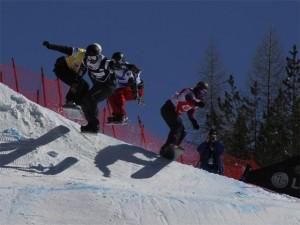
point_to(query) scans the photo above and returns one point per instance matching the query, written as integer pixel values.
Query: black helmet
(93, 49)
(202, 85)
(118, 57)
(200, 90)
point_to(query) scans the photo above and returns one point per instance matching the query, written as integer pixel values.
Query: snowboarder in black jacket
(69, 70)
(104, 82)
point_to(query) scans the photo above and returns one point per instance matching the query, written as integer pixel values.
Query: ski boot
(117, 120)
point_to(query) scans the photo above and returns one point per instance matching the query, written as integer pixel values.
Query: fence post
(181, 160)
(59, 95)
(15, 75)
(1, 77)
(44, 86)
(143, 139)
(38, 96)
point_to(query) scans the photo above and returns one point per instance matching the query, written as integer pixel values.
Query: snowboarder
(68, 69)
(211, 152)
(187, 100)
(129, 87)
(99, 71)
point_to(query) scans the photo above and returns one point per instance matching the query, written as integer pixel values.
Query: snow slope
(50, 173)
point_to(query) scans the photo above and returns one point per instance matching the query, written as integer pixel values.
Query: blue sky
(167, 39)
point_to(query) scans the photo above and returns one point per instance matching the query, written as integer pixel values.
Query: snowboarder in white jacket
(129, 87)
(186, 100)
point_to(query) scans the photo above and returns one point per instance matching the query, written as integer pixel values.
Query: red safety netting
(37, 87)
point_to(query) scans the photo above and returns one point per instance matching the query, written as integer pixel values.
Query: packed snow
(51, 173)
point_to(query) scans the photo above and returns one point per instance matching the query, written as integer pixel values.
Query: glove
(134, 89)
(134, 94)
(195, 124)
(200, 104)
(46, 44)
(140, 100)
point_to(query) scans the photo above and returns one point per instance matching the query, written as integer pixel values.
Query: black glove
(133, 86)
(134, 94)
(46, 44)
(200, 104)
(195, 124)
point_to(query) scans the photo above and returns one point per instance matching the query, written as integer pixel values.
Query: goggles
(201, 93)
(92, 58)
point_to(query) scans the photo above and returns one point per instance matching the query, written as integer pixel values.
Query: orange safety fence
(50, 93)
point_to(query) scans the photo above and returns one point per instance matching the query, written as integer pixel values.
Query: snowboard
(73, 112)
(108, 122)
(170, 154)
(116, 124)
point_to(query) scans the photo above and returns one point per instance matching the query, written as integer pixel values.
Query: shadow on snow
(20, 148)
(112, 154)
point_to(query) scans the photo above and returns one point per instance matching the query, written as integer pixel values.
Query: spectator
(211, 154)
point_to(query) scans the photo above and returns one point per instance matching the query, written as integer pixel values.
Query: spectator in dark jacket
(211, 154)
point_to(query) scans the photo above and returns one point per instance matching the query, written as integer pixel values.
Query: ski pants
(118, 99)
(98, 93)
(78, 86)
(174, 122)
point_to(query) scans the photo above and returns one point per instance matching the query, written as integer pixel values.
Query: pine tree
(213, 73)
(240, 138)
(268, 70)
(235, 121)
(292, 94)
(273, 136)
(252, 103)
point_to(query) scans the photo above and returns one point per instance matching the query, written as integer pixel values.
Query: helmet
(93, 49)
(202, 85)
(118, 57)
(200, 89)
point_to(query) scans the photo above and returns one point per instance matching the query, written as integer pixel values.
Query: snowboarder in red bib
(187, 100)
(129, 87)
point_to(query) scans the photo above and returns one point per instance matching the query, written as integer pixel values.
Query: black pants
(177, 131)
(78, 86)
(98, 93)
